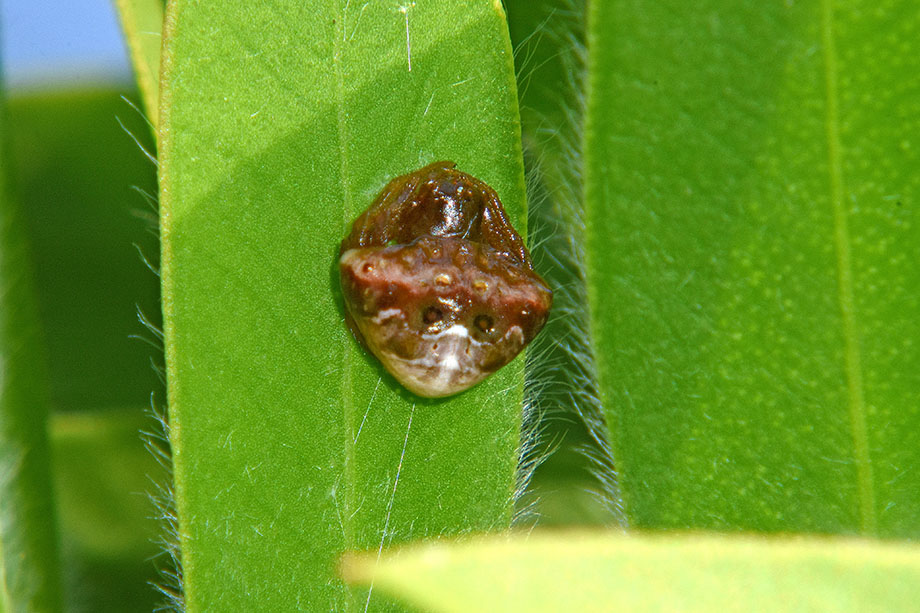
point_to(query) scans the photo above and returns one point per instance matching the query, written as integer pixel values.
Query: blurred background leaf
(29, 557)
(110, 534)
(76, 167)
(561, 571)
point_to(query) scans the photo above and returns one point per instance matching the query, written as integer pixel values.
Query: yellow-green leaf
(604, 572)
(142, 24)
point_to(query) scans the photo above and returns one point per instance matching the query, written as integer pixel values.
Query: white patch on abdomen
(449, 367)
(454, 330)
(386, 314)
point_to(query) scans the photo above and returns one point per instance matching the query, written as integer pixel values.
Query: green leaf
(77, 168)
(76, 164)
(142, 24)
(751, 190)
(103, 480)
(589, 572)
(29, 566)
(280, 122)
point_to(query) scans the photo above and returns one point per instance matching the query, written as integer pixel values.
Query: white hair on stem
(157, 438)
(561, 376)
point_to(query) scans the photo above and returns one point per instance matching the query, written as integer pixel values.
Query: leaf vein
(846, 296)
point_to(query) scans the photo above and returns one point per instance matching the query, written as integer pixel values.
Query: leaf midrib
(846, 297)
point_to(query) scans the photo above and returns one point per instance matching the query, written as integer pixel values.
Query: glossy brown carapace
(437, 283)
